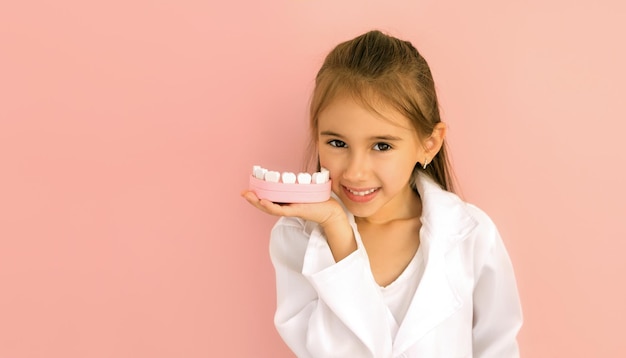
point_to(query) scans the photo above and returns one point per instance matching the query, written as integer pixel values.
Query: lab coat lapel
(444, 224)
(373, 327)
(433, 302)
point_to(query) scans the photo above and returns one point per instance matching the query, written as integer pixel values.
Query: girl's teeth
(304, 178)
(289, 178)
(362, 193)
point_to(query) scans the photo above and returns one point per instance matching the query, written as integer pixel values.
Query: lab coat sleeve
(324, 309)
(497, 309)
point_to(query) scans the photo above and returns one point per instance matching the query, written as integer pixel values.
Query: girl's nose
(356, 168)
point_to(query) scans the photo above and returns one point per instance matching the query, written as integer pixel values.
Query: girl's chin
(361, 210)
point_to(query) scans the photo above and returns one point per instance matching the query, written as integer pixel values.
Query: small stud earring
(425, 163)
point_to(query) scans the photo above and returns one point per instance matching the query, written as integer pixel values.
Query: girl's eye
(337, 143)
(382, 147)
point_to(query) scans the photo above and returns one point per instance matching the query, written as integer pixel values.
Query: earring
(425, 163)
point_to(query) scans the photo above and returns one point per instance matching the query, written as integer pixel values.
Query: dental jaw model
(288, 187)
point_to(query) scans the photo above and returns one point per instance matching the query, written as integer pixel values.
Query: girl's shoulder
(484, 239)
(451, 220)
(482, 219)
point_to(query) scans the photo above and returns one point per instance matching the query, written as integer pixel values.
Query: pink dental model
(289, 187)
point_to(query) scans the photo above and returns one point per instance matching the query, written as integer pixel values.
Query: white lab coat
(466, 304)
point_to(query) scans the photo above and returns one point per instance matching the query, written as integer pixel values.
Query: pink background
(128, 129)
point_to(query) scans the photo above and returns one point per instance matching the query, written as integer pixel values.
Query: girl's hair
(379, 70)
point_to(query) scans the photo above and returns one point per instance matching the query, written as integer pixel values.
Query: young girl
(394, 264)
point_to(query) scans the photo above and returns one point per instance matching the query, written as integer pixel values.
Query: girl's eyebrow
(330, 134)
(389, 138)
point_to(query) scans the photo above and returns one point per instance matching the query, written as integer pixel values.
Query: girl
(394, 264)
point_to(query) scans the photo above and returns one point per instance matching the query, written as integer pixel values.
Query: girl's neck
(406, 206)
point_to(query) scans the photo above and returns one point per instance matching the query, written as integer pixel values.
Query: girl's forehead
(368, 108)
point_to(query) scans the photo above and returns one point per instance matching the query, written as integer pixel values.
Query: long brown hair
(378, 69)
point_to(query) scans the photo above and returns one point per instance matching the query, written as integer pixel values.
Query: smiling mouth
(362, 192)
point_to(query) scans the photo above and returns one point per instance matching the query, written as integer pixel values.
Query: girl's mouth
(360, 195)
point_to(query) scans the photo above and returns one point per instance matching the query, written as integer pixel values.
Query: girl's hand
(329, 214)
(324, 213)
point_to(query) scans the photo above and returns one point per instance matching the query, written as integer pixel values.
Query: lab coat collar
(445, 218)
(444, 215)
(445, 223)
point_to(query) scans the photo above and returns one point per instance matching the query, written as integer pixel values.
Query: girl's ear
(435, 141)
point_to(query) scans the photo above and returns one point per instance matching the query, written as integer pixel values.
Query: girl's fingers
(276, 209)
(263, 204)
(317, 212)
(249, 195)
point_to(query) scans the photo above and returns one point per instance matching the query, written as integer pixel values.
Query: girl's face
(370, 158)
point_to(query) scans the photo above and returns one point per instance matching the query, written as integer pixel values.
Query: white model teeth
(289, 178)
(272, 176)
(321, 177)
(326, 174)
(317, 178)
(304, 178)
(259, 172)
(361, 193)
